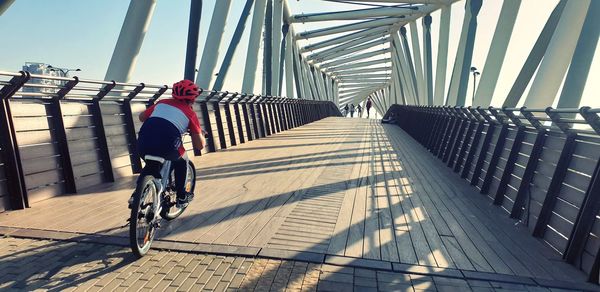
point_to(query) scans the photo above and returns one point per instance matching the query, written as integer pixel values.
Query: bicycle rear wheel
(142, 226)
(170, 210)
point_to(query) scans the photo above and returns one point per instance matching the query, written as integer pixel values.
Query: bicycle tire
(139, 198)
(167, 212)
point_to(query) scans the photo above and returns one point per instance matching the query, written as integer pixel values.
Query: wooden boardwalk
(347, 187)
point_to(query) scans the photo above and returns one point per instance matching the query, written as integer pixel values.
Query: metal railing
(541, 166)
(60, 135)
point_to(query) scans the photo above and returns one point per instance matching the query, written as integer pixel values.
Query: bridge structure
(450, 193)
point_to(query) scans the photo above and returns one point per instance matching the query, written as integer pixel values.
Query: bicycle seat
(154, 158)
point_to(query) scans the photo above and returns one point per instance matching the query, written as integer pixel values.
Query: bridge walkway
(348, 192)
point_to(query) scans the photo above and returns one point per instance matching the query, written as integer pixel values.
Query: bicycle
(154, 199)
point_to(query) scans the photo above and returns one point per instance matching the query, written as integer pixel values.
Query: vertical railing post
(271, 113)
(471, 120)
(457, 134)
(219, 121)
(229, 120)
(136, 163)
(238, 119)
(557, 177)
(512, 157)
(249, 122)
(536, 152)
(474, 143)
(206, 121)
(590, 206)
(259, 120)
(265, 115)
(484, 148)
(61, 135)
(489, 175)
(17, 190)
(100, 132)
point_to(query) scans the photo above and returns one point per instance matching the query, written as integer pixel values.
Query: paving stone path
(34, 264)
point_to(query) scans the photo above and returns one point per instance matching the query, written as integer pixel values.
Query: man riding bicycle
(164, 123)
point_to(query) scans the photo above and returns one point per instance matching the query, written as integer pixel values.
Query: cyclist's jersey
(178, 113)
(161, 133)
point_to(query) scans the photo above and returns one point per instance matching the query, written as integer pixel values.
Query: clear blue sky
(82, 34)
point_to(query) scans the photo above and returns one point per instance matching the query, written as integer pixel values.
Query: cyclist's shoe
(130, 202)
(184, 201)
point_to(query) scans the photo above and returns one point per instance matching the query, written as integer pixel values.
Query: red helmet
(185, 90)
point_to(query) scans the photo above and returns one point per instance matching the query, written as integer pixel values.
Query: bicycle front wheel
(142, 224)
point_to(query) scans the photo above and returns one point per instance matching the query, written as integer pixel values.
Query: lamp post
(475, 73)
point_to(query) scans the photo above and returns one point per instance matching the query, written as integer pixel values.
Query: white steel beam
(364, 76)
(414, 36)
(558, 56)
(355, 45)
(349, 27)
(4, 4)
(276, 36)
(358, 57)
(428, 70)
(460, 74)
(289, 64)
(210, 54)
(393, 11)
(404, 69)
(442, 56)
(534, 58)
(131, 37)
(579, 69)
(258, 18)
(346, 38)
(359, 65)
(342, 73)
(497, 52)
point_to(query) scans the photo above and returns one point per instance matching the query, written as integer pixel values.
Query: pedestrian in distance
(368, 105)
(359, 110)
(346, 108)
(352, 110)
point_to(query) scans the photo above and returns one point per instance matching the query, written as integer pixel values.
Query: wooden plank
(80, 134)
(84, 156)
(554, 142)
(41, 165)
(111, 120)
(29, 108)
(587, 149)
(115, 130)
(337, 244)
(32, 123)
(120, 161)
(78, 121)
(116, 141)
(571, 195)
(577, 180)
(583, 164)
(75, 108)
(87, 169)
(44, 193)
(83, 145)
(111, 108)
(34, 137)
(89, 181)
(38, 151)
(43, 178)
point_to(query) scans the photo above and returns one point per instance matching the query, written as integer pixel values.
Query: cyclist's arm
(198, 141)
(143, 116)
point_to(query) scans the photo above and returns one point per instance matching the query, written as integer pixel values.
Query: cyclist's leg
(180, 167)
